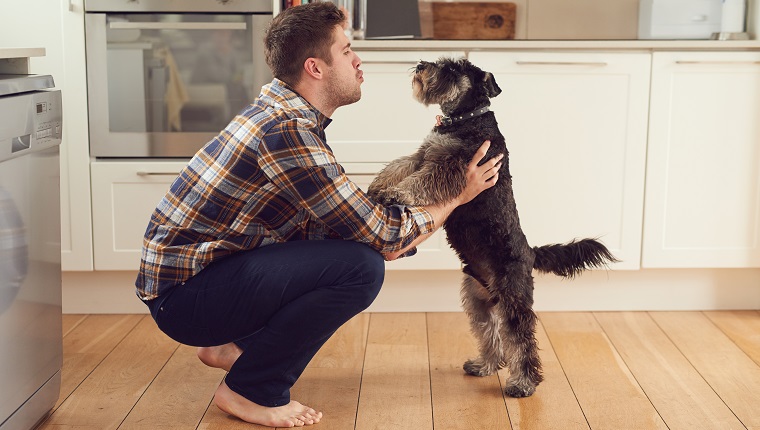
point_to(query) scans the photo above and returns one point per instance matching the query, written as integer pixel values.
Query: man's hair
(298, 33)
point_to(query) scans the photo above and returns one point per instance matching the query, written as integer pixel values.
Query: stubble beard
(343, 94)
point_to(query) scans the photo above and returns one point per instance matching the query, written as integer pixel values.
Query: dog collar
(447, 120)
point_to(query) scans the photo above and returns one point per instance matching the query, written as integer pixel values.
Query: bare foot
(293, 414)
(222, 356)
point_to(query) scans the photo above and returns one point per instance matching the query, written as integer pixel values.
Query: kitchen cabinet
(127, 192)
(575, 126)
(703, 166)
(59, 28)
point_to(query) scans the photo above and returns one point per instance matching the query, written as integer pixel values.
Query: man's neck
(316, 98)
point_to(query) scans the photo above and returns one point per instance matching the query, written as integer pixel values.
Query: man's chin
(355, 98)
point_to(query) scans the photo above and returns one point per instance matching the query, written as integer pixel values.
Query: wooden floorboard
(603, 370)
(554, 405)
(675, 388)
(728, 370)
(104, 399)
(395, 392)
(742, 327)
(88, 344)
(70, 321)
(460, 401)
(609, 395)
(178, 397)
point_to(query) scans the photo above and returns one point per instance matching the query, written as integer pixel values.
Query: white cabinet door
(59, 28)
(387, 122)
(432, 254)
(703, 164)
(125, 195)
(575, 125)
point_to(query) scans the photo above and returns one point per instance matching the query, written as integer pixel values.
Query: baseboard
(438, 291)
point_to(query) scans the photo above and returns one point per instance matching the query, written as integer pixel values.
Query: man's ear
(313, 67)
(492, 88)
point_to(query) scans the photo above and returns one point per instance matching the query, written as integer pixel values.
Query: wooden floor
(638, 370)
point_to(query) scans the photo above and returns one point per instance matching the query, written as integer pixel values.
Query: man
(262, 247)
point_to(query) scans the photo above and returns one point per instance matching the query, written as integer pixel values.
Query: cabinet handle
(118, 25)
(144, 173)
(561, 63)
(718, 63)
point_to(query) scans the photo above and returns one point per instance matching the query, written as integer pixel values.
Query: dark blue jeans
(279, 303)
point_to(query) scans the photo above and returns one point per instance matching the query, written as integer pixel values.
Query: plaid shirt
(268, 177)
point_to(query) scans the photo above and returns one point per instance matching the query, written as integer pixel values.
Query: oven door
(164, 84)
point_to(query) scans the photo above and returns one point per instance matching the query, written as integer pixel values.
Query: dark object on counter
(473, 20)
(393, 19)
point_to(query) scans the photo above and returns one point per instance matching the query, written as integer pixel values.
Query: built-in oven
(165, 76)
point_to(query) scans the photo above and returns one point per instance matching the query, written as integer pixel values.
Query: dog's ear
(492, 88)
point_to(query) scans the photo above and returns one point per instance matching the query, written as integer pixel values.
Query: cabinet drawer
(124, 195)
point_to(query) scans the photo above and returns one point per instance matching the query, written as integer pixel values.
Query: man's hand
(480, 178)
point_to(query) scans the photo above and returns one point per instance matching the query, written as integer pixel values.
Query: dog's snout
(420, 66)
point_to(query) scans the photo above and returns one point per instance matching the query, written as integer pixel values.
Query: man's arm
(479, 178)
(298, 162)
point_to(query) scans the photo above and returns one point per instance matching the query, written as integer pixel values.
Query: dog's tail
(572, 258)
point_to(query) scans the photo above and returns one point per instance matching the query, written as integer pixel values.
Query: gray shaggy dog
(497, 290)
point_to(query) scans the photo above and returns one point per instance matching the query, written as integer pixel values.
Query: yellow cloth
(176, 94)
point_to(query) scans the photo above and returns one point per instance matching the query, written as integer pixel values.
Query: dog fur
(497, 290)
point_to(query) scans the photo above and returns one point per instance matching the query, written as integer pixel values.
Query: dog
(497, 289)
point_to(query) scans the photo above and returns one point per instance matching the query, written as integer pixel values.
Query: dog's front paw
(519, 390)
(478, 367)
(395, 196)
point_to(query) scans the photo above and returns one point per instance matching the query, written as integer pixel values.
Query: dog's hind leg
(518, 335)
(485, 326)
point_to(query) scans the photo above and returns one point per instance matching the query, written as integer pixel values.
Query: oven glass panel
(178, 72)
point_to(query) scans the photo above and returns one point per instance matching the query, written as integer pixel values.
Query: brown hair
(299, 33)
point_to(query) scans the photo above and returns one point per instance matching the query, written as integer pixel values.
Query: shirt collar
(278, 94)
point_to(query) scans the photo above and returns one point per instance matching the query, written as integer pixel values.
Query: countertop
(578, 45)
(21, 52)
(16, 60)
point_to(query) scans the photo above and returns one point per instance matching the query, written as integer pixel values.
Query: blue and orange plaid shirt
(268, 177)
